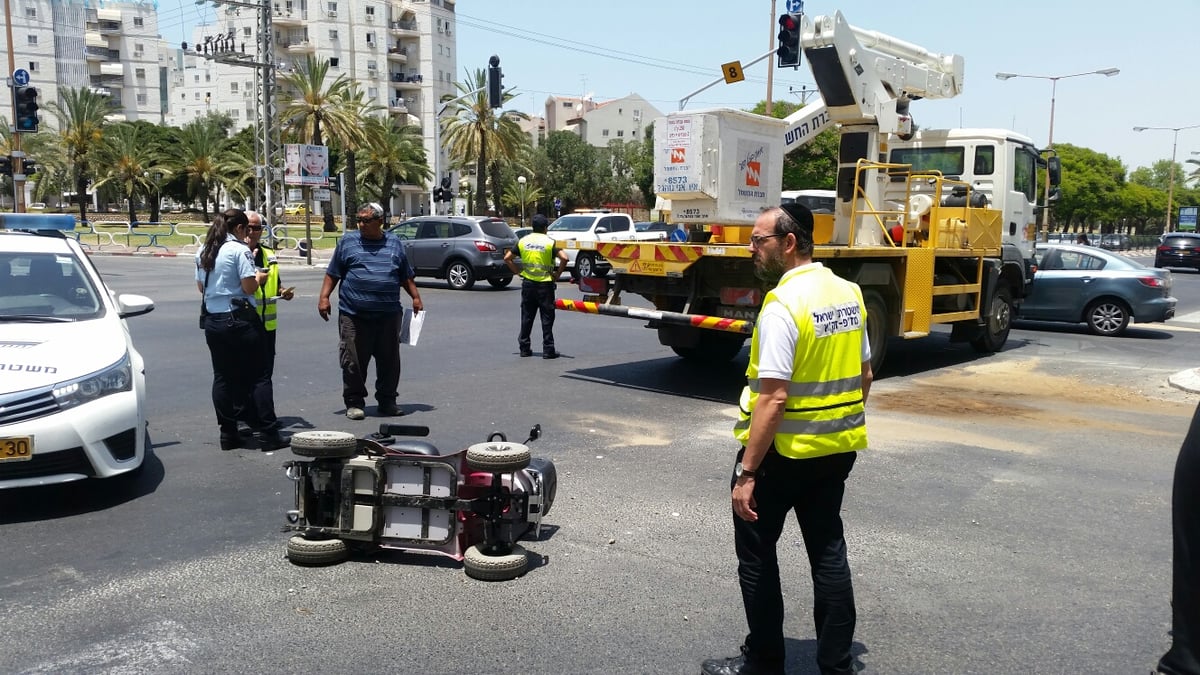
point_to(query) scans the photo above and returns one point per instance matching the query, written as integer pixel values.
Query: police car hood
(34, 355)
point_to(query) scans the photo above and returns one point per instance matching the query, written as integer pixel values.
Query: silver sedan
(1105, 290)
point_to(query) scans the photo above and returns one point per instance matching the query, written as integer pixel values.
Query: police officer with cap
(537, 254)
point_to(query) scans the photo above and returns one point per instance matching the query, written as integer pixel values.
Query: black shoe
(525, 353)
(388, 410)
(231, 442)
(550, 355)
(738, 665)
(270, 440)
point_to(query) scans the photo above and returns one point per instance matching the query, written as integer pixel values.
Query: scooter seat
(412, 447)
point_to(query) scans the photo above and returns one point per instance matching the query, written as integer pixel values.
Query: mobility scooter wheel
(498, 457)
(324, 444)
(304, 551)
(479, 565)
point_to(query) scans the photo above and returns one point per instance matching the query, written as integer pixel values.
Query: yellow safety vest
(266, 294)
(537, 257)
(824, 412)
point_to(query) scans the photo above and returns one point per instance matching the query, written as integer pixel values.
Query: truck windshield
(572, 224)
(949, 160)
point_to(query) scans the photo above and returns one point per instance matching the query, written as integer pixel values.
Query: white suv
(73, 394)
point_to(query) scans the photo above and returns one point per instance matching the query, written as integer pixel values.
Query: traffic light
(788, 51)
(5, 166)
(27, 108)
(495, 90)
(28, 167)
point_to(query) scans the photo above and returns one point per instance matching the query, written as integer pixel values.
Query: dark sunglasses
(254, 228)
(368, 219)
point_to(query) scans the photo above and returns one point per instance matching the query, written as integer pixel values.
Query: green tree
(199, 157)
(812, 166)
(393, 152)
(566, 167)
(311, 109)
(1091, 188)
(642, 158)
(521, 198)
(81, 119)
(475, 135)
(127, 157)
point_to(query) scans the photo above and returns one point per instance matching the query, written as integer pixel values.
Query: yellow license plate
(16, 449)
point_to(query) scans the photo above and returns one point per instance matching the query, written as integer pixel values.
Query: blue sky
(665, 50)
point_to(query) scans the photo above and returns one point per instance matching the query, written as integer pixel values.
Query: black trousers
(537, 296)
(360, 340)
(241, 384)
(812, 489)
(1183, 658)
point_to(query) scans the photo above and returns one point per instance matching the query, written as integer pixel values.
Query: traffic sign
(732, 72)
(557, 204)
(795, 6)
(1187, 218)
(20, 77)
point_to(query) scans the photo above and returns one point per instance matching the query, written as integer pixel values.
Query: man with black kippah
(802, 422)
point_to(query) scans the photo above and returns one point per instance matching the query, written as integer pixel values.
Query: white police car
(72, 386)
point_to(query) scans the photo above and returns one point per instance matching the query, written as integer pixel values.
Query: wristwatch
(739, 471)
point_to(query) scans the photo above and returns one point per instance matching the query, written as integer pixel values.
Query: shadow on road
(49, 502)
(720, 382)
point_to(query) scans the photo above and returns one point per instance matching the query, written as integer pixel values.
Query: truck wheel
(460, 276)
(479, 565)
(1107, 316)
(304, 551)
(324, 444)
(497, 457)
(501, 282)
(877, 333)
(713, 347)
(585, 265)
(997, 323)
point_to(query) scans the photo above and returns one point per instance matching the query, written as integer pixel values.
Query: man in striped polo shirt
(371, 267)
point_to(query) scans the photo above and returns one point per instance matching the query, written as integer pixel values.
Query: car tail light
(485, 246)
(1164, 249)
(1153, 282)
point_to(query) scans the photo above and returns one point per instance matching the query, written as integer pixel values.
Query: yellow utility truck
(936, 226)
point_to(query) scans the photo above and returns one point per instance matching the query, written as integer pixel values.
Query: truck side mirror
(1054, 167)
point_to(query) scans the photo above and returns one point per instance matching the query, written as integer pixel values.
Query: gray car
(459, 249)
(1105, 290)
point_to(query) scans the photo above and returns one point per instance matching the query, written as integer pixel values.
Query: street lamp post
(1171, 181)
(1107, 72)
(521, 182)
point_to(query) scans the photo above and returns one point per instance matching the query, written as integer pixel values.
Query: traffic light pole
(437, 147)
(721, 80)
(18, 156)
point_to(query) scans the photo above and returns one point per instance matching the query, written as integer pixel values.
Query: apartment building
(114, 49)
(624, 119)
(401, 53)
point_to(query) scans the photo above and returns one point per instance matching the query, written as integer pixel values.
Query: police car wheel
(324, 444)
(498, 457)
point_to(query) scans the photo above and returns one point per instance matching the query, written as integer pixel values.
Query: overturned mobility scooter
(381, 491)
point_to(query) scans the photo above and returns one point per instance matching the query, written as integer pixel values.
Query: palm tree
(475, 129)
(127, 157)
(199, 157)
(393, 152)
(81, 120)
(310, 109)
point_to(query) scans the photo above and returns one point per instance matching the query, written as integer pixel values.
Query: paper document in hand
(410, 330)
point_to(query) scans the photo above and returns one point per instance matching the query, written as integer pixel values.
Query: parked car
(1084, 284)
(73, 396)
(653, 226)
(1116, 242)
(1178, 249)
(295, 209)
(459, 249)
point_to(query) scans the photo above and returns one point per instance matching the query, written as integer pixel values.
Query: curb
(290, 260)
(1186, 380)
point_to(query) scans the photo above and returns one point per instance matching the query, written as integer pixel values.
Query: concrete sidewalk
(320, 257)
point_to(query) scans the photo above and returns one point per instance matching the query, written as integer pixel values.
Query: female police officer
(226, 276)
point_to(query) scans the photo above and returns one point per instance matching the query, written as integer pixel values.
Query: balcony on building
(108, 21)
(288, 17)
(404, 28)
(410, 81)
(302, 47)
(284, 69)
(398, 54)
(98, 54)
(398, 106)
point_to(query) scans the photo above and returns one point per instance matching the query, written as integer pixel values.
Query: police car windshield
(572, 224)
(45, 286)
